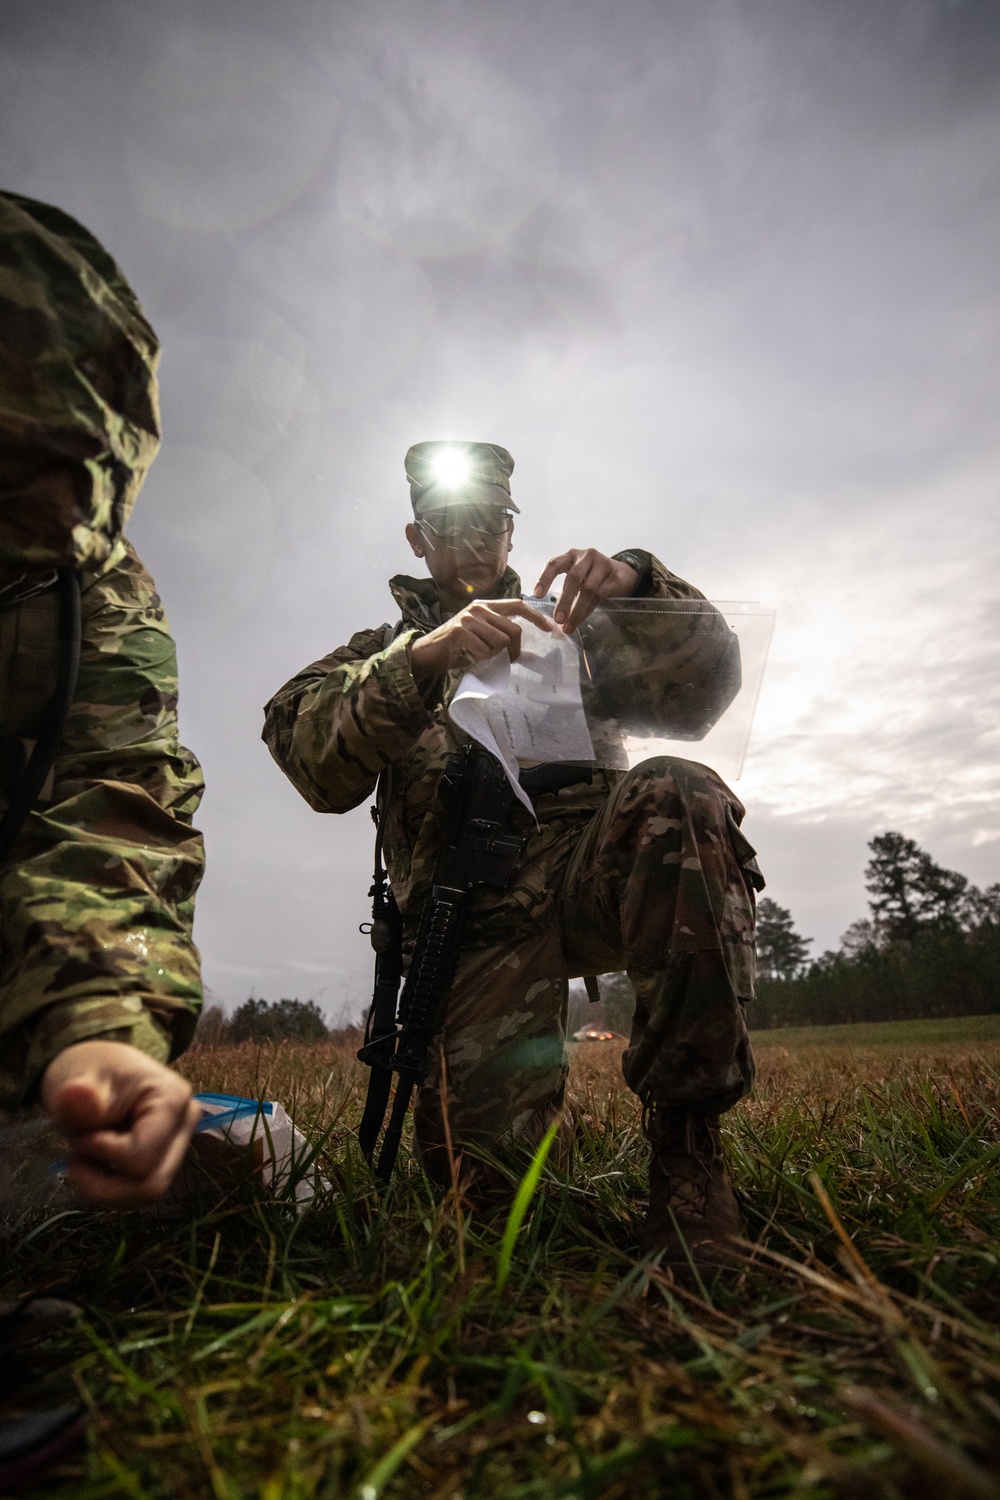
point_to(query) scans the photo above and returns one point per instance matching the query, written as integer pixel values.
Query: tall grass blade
(372, 1486)
(522, 1201)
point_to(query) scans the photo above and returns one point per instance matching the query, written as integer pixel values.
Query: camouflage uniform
(644, 870)
(96, 896)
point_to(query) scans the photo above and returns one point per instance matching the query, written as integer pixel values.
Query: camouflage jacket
(96, 897)
(96, 893)
(345, 719)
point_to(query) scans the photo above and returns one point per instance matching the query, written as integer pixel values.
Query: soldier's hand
(128, 1120)
(476, 633)
(590, 579)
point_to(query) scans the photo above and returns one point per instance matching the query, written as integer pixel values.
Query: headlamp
(451, 468)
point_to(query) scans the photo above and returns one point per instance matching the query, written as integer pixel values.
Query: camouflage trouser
(660, 883)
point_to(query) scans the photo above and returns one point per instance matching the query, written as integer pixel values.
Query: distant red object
(588, 1034)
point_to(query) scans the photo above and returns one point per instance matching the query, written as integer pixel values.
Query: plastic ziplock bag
(640, 677)
(276, 1149)
(234, 1134)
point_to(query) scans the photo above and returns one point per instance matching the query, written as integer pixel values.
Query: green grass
(946, 1030)
(403, 1345)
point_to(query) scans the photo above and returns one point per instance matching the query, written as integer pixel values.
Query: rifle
(479, 848)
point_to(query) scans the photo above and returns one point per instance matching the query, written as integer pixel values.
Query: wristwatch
(642, 562)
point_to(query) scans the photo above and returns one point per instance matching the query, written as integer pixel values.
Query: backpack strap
(32, 778)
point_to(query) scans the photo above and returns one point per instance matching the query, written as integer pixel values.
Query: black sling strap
(387, 939)
(26, 791)
(386, 932)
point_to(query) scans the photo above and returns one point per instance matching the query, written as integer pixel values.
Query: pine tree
(907, 889)
(863, 936)
(781, 952)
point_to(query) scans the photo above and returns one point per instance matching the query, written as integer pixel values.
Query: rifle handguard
(479, 849)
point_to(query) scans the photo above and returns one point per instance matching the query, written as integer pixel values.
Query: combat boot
(690, 1194)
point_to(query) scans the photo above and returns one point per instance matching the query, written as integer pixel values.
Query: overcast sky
(721, 274)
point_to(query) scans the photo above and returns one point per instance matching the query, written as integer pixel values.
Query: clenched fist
(477, 632)
(128, 1120)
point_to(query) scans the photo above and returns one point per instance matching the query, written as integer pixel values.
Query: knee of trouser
(665, 778)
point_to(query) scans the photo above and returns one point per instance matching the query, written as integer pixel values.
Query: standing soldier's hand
(476, 633)
(128, 1120)
(590, 579)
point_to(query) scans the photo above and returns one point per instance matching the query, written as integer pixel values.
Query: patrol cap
(442, 473)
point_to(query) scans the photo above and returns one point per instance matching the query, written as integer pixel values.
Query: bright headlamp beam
(451, 468)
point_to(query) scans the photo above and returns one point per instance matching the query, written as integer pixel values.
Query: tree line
(258, 1020)
(930, 946)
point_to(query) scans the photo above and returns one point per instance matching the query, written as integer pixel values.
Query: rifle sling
(401, 1027)
(380, 1028)
(376, 1104)
(394, 1129)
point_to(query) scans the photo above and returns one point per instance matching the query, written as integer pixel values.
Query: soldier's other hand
(590, 579)
(128, 1120)
(476, 633)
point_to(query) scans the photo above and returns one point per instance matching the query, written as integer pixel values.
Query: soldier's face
(465, 550)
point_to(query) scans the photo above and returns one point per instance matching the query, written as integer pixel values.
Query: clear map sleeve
(640, 677)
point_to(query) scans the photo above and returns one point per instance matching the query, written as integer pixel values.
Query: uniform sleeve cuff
(642, 562)
(396, 672)
(123, 1019)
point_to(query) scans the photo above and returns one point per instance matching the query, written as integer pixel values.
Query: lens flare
(451, 468)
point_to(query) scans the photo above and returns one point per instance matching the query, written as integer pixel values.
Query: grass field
(405, 1346)
(945, 1032)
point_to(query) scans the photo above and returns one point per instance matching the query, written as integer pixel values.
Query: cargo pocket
(739, 918)
(746, 855)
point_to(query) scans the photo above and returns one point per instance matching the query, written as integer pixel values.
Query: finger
(571, 587)
(107, 1189)
(101, 1187)
(81, 1105)
(159, 1180)
(552, 569)
(483, 640)
(493, 619)
(590, 594)
(136, 1151)
(521, 610)
(174, 1157)
(592, 578)
(114, 1189)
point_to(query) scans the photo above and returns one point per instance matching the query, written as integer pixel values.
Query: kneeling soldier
(644, 870)
(99, 977)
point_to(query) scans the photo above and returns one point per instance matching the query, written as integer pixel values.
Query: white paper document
(526, 711)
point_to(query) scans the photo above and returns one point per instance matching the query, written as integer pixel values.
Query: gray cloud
(722, 278)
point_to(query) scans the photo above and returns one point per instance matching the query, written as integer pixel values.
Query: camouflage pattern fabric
(645, 869)
(659, 882)
(79, 421)
(341, 721)
(96, 895)
(488, 470)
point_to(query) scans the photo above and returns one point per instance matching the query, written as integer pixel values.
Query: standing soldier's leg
(504, 1052)
(664, 878)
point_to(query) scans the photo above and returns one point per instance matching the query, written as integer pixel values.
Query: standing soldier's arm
(338, 723)
(96, 897)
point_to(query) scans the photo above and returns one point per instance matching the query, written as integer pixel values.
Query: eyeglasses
(477, 526)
